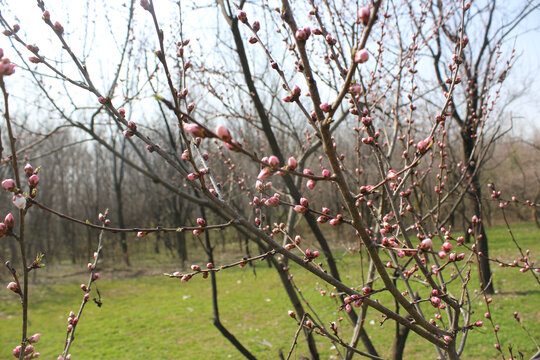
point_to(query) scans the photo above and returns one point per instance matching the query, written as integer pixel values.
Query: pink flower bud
(192, 176)
(96, 276)
(310, 184)
(325, 107)
(304, 202)
(86, 296)
(223, 133)
(300, 209)
(441, 254)
(289, 246)
(363, 15)
(423, 145)
(426, 244)
(446, 247)
(301, 35)
(8, 184)
(102, 100)
(291, 314)
(435, 301)
(195, 130)
(195, 268)
(9, 220)
(201, 222)
(17, 351)
(273, 161)
(19, 201)
(242, 16)
(34, 338)
(13, 287)
(256, 26)
(392, 175)
(132, 126)
(326, 173)
(291, 163)
(141, 234)
(33, 180)
(28, 170)
(264, 174)
(361, 56)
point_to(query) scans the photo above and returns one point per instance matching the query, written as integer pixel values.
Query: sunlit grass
(154, 317)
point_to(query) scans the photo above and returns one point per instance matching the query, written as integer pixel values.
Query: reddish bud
(363, 15)
(9, 220)
(58, 28)
(223, 133)
(361, 56)
(34, 338)
(201, 222)
(242, 16)
(291, 163)
(33, 181)
(13, 287)
(325, 107)
(8, 184)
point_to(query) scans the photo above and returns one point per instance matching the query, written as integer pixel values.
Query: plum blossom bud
(131, 125)
(392, 175)
(361, 56)
(423, 145)
(242, 16)
(201, 222)
(195, 130)
(195, 268)
(223, 133)
(310, 184)
(13, 287)
(300, 209)
(33, 181)
(17, 351)
(256, 26)
(192, 176)
(264, 174)
(19, 201)
(326, 174)
(291, 163)
(325, 107)
(426, 244)
(46, 15)
(145, 5)
(141, 234)
(6, 67)
(304, 202)
(102, 100)
(363, 15)
(8, 184)
(9, 220)
(96, 276)
(28, 170)
(446, 247)
(273, 161)
(291, 314)
(34, 338)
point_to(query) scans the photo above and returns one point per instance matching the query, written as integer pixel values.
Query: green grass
(153, 317)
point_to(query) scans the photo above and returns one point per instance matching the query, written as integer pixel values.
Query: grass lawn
(154, 317)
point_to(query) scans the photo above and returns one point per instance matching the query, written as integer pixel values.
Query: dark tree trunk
(469, 140)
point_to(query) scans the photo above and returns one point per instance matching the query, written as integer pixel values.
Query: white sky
(198, 25)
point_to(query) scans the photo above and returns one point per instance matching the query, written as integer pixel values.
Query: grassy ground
(148, 316)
